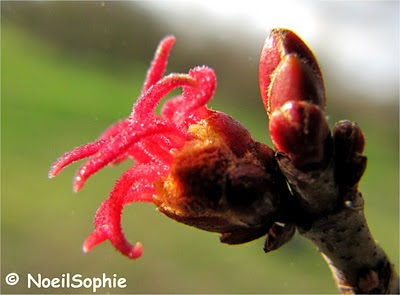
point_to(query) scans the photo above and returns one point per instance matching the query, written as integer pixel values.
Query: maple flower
(198, 166)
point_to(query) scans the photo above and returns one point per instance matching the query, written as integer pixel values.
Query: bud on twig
(293, 92)
(323, 171)
(288, 70)
(349, 144)
(299, 129)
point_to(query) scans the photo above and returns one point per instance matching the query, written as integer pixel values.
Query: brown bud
(278, 235)
(349, 144)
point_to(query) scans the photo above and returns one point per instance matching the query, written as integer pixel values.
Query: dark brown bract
(233, 187)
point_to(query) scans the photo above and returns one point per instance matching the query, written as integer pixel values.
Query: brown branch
(333, 219)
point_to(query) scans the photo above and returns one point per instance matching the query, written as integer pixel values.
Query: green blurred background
(70, 69)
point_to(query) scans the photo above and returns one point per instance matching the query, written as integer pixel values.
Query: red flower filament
(145, 137)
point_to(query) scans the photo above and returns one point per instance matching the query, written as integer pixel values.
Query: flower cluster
(198, 166)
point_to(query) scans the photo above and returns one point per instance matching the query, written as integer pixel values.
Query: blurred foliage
(61, 88)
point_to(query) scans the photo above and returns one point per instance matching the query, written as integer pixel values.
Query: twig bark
(333, 219)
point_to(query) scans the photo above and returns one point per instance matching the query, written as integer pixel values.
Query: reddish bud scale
(299, 129)
(294, 80)
(280, 44)
(231, 132)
